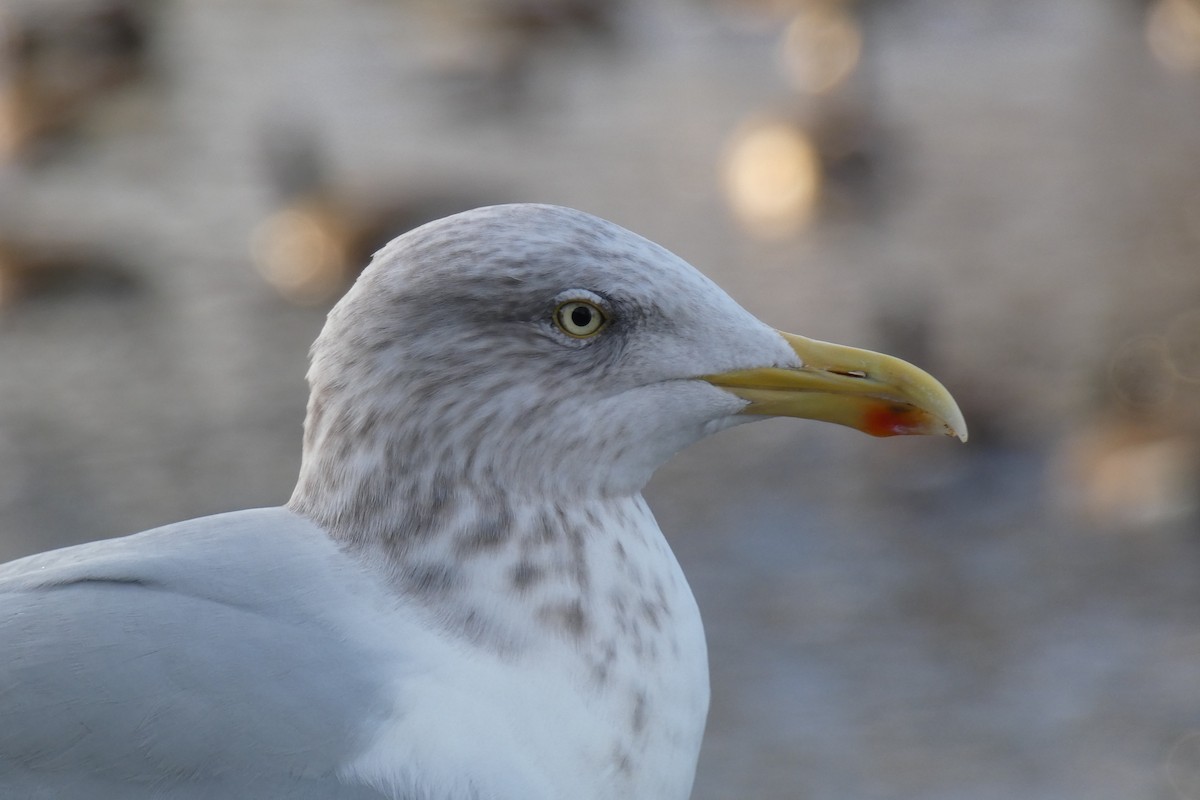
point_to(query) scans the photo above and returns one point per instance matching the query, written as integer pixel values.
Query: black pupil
(581, 316)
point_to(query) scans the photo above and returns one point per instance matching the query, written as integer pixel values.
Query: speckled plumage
(498, 612)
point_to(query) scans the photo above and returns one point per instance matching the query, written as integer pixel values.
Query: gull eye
(579, 318)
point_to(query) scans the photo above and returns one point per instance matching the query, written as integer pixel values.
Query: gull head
(533, 348)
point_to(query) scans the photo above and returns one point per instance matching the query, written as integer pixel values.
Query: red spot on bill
(893, 419)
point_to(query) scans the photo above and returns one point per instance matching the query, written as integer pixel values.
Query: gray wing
(193, 661)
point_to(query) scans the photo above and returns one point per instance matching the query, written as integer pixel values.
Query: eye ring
(580, 319)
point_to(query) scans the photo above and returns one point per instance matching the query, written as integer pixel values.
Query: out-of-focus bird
(32, 272)
(491, 48)
(57, 64)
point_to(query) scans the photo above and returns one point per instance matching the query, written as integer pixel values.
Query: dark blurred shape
(55, 66)
(852, 147)
(322, 233)
(540, 19)
(37, 273)
(490, 48)
(1138, 375)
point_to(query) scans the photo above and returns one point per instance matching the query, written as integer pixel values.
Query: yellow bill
(872, 392)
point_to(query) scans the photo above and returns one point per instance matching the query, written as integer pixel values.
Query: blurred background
(1005, 191)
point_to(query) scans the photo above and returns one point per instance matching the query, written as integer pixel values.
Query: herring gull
(466, 597)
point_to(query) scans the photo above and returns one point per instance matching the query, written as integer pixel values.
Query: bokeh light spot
(821, 47)
(1173, 34)
(772, 178)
